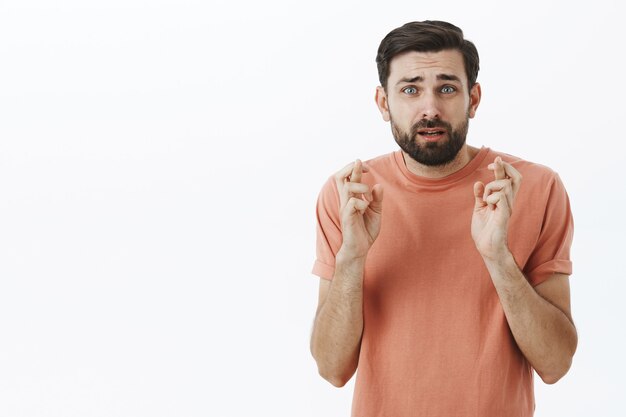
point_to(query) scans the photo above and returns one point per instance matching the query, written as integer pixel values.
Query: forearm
(336, 338)
(544, 334)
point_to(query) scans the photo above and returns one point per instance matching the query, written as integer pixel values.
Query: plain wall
(159, 167)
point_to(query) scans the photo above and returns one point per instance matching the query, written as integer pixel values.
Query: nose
(430, 107)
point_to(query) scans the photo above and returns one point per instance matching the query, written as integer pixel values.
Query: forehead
(411, 64)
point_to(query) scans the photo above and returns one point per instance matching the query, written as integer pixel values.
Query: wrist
(501, 260)
(350, 264)
(348, 258)
(506, 274)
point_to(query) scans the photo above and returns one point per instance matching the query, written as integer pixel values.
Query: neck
(465, 155)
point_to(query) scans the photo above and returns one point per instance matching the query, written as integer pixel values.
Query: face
(428, 104)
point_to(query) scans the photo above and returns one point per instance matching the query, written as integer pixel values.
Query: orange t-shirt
(435, 340)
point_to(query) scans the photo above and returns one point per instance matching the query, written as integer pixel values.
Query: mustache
(430, 124)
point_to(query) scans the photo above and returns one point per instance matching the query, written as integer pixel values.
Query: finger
(491, 205)
(350, 189)
(356, 174)
(500, 186)
(498, 169)
(514, 175)
(376, 203)
(479, 201)
(497, 185)
(356, 187)
(498, 200)
(357, 171)
(356, 206)
(342, 177)
(344, 173)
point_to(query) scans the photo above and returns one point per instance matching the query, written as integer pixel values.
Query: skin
(430, 98)
(539, 317)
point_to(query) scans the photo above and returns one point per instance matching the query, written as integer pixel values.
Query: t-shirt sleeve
(552, 252)
(329, 236)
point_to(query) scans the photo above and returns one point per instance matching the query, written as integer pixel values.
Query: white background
(159, 167)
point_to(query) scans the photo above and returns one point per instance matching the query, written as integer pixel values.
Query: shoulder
(377, 166)
(383, 168)
(533, 173)
(382, 161)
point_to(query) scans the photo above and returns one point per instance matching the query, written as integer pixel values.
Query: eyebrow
(419, 78)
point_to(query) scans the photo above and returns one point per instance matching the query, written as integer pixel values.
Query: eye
(409, 90)
(448, 89)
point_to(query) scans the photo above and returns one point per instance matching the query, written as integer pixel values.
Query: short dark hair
(426, 36)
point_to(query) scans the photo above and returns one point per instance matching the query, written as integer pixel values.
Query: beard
(432, 153)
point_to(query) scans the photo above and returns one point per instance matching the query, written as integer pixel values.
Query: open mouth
(431, 134)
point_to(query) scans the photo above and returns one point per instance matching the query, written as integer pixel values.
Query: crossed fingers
(505, 186)
(349, 185)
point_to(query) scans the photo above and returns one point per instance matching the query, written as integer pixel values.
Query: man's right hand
(360, 211)
(338, 328)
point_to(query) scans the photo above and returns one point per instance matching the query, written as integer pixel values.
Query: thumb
(479, 189)
(377, 198)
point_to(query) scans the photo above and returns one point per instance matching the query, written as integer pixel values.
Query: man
(444, 274)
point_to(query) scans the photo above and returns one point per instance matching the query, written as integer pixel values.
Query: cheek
(402, 122)
(403, 115)
(468, 106)
(460, 111)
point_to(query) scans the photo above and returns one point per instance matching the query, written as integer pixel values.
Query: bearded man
(444, 277)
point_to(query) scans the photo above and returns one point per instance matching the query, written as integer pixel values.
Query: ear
(382, 103)
(475, 94)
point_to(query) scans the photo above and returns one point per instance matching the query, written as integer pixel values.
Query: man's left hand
(492, 209)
